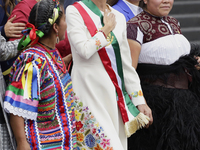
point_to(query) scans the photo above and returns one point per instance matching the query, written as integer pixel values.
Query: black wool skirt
(176, 120)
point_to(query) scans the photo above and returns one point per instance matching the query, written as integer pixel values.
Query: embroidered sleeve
(134, 33)
(22, 95)
(131, 79)
(79, 36)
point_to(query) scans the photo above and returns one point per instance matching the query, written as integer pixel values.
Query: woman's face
(159, 8)
(62, 26)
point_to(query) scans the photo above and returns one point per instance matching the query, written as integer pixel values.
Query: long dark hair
(8, 3)
(39, 17)
(112, 2)
(142, 4)
(40, 14)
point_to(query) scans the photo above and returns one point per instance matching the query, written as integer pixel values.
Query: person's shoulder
(117, 12)
(136, 18)
(27, 2)
(24, 5)
(33, 54)
(172, 19)
(71, 8)
(117, 6)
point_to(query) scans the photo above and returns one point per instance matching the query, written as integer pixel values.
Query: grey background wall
(187, 12)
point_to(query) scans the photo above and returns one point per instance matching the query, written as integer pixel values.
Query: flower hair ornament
(55, 13)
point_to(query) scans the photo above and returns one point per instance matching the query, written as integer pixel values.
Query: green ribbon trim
(134, 111)
(23, 43)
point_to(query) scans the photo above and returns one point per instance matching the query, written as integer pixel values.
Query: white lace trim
(19, 111)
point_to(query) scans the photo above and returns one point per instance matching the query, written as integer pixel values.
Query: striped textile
(48, 107)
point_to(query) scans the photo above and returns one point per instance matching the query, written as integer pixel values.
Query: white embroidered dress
(91, 82)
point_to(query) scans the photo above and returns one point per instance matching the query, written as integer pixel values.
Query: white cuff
(19, 112)
(138, 100)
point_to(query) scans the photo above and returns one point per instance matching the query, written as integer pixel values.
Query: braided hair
(40, 15)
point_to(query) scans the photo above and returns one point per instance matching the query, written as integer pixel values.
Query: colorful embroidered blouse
(42, 94)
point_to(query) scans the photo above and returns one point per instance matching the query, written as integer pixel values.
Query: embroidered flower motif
(98, 141)
(98, 43)
(77, 115)
(102, 135)
(90, 133)
(97, 124)
(77, 148)
(80, 137)
(90, 141)
(82, 130)
(79, 125)
(85, 109)
(98, 147)
(140, 93)
(105, 142)
(97, 135)
(109, 148)
(94, 130)
(99, 130)
(134, 94)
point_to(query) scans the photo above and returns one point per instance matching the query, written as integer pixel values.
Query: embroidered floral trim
(90, 135)
(97, 42)
(19, 111)
(136, 94)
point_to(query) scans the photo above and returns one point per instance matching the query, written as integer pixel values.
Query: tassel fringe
(137, 123)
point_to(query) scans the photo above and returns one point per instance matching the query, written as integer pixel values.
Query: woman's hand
(144, 108)
(67, 59)
(13, 30)
(23, 146)
(198, 62)
(109, 22)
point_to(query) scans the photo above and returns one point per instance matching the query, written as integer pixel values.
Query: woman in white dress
(102, 75)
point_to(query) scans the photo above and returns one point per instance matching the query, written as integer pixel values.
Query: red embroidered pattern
(151, 26)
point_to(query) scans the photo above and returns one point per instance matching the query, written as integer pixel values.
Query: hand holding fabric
(144, 108)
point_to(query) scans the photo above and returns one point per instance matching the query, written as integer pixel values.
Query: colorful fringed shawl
(42, 94)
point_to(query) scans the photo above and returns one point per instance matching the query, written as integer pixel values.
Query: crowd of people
(96, 74)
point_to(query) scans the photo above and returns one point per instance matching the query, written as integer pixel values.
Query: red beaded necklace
(62, 69)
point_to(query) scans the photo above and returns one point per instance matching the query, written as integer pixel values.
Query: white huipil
(91, 82)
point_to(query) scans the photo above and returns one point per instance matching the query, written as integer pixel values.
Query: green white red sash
(111, 59)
